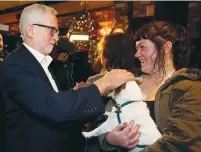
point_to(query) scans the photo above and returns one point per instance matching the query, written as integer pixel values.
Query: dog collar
(118, 111)
(118, 107)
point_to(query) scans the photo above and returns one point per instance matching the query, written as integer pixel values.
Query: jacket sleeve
(182, 131)
(104, 144)
(25, 87)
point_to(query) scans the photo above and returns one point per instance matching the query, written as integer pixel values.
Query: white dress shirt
(44, 62)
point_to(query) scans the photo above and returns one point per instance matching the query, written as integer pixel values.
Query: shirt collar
(39, 56)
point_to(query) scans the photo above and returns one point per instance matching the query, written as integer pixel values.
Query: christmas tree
(83, 24)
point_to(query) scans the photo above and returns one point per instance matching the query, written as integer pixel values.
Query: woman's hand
(124, 135)
(79, 85)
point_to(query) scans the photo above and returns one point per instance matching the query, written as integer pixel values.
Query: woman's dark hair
(118, 50)
(160, 32)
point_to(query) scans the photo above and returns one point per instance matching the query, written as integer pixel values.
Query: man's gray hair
(34, 14)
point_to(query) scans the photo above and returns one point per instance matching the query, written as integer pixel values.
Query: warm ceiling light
(79, 37)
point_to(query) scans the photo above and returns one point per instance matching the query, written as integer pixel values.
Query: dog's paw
(107, 113)
(85, 134)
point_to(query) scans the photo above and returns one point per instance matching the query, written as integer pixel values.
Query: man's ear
(168, 47)
(30, 31)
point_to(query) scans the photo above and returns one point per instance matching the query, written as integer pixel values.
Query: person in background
(37, 112)
(61, 65)
(3, 52)
(174, 90)
(71, 65)
(97, 66)
(115, 51)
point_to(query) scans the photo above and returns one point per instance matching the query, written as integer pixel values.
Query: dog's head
(127, 92)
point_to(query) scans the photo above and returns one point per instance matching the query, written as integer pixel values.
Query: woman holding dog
(116, 51)
(162, 50)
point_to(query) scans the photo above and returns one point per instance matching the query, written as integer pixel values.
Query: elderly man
(36, 111)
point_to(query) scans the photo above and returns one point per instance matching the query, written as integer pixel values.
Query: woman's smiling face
(146, 53)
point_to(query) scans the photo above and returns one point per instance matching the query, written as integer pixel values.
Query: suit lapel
(29, 59)
(53, 76)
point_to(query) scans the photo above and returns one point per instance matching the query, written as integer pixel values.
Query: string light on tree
(83, 24)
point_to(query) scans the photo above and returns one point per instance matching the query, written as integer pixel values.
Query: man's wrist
(104, 143)
(109, 139)
(102, 86)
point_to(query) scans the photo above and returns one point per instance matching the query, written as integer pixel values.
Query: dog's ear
(118, 90)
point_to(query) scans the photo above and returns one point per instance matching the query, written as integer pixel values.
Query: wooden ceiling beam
(20, 7)
(63, 8)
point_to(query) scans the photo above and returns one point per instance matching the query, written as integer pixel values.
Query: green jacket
(178, 114)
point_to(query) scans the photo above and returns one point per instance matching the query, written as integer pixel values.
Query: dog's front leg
(107, 126)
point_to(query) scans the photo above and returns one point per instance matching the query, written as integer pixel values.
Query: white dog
(131, 108)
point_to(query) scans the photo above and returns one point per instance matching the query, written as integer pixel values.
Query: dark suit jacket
(36, 116)
(2, 122)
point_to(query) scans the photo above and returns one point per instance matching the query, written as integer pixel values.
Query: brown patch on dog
(118, 90)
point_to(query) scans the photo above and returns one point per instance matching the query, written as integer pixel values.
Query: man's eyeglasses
(53, 29)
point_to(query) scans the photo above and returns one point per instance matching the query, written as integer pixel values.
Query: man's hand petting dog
(113, 79)
(124, 135)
